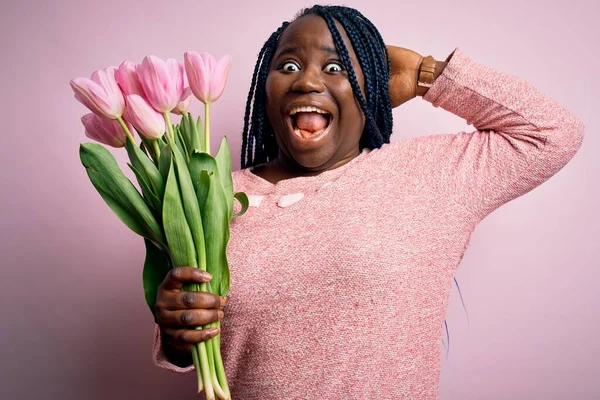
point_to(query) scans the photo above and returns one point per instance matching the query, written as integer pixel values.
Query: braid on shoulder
(256, 99)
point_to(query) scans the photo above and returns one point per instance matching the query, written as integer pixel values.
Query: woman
(341, 271)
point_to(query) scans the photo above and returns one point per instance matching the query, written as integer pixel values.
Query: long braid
(379, 44)
(254, 130)
(249, 102)
(371, 79)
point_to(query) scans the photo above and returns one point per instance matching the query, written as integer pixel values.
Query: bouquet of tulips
(186, 201)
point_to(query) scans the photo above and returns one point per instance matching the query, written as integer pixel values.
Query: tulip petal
(159, 87)
(103, 130)
(146, 119)
(93, 96)
(194, 68)
(219, 77)
(106, 79)
(127, 78)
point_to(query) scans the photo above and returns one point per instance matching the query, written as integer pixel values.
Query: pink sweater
(340, 290)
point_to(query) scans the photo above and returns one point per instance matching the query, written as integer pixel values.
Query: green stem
(204, 372)
(207, 127)
(219, 362)
(211, 363)
(169, 126)
(209, 392)
(127, 131)
(198, 367)
(156, 148)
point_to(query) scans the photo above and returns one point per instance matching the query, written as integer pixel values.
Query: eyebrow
(297, 50)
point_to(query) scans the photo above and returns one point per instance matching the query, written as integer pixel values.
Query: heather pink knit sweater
(342, 294)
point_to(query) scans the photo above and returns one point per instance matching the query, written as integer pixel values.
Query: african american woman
(341, 269)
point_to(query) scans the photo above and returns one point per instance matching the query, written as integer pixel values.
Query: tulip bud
(147, 121)
(104, 130)
(207, 76)
(128, 80)
(185, 103)
(101, 94)
(161, 81)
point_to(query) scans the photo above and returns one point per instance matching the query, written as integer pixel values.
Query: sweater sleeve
(523, 137)
(159, 357)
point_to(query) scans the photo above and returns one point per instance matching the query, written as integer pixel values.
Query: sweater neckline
(302, 180)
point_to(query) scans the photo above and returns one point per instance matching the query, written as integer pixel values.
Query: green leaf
(119, 193)
(150, 197)
(215, 221)
(224, 165)
(177, 231)
(190, 205)
(243, 199)
(202, 161)
(165, 161)
(146, 168)
(196, 135)
(179, 140)
(156, 268)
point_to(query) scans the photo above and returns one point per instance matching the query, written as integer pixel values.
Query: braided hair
(259, 144)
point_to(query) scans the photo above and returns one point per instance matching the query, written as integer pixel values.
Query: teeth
(307, 109)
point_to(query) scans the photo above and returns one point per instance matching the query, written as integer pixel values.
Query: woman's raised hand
(403, 75)
(178, 313)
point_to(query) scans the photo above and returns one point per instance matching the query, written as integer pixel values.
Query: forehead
(310, 32)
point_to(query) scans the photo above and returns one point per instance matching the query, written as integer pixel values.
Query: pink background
(74, 321)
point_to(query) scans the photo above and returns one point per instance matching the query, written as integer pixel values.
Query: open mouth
(309, 122)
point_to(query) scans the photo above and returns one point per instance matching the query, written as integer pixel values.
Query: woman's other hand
(403, 75)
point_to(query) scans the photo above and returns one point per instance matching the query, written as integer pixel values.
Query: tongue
(311, 121)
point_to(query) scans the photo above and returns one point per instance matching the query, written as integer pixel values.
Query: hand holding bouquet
(186, 201)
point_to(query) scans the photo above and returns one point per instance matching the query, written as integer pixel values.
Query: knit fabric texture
(343, 294)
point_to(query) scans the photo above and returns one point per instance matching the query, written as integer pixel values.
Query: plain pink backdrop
(74, 321)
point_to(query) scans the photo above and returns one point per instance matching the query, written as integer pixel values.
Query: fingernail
(223, 301)
(203, 274)
(220, 314)
(214, 331)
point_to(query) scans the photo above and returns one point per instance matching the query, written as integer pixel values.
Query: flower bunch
(186, 200)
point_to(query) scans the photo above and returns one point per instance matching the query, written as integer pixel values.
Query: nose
(309, 80)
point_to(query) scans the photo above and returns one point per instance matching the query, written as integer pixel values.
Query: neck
(291, 169)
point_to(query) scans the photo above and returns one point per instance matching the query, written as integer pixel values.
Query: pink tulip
(148, 122)
(104, 131)
(162, 82)
(185, 103)
(207, 75)
(101, 94)
(128, 80)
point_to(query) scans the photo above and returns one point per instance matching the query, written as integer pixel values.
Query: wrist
(428, 72)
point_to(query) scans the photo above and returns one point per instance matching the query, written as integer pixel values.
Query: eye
(289, 66)
(334, 67)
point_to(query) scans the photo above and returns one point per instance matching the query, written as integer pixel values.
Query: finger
(183, 339)
(190, 300)
(189, 318)
(179, 276)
